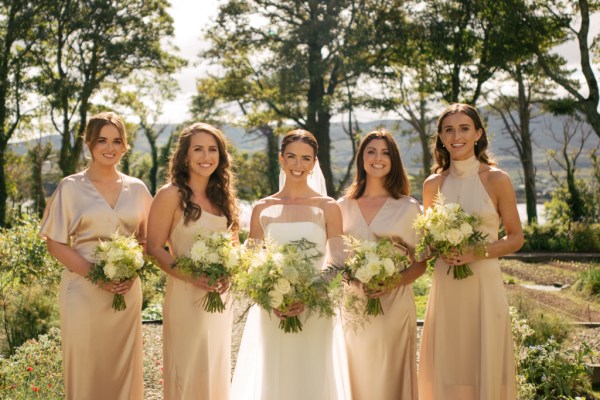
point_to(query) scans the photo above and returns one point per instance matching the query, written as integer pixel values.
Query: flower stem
(373, 307)
(291, 324)
(119, 302)
(212, 303)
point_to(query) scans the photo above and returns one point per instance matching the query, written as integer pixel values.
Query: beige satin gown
(196, 343)
(382, 356)
(466, 347)
(102, 348)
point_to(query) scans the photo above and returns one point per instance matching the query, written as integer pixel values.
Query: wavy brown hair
(396, 182)
(442, 155)
(220, 189)
(300, 135)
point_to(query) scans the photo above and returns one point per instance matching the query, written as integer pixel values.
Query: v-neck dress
(382, 356)
(102, 348)
(196, 343)
(466, 346)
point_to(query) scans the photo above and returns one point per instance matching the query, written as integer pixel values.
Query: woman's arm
(160, 220)
(506, 202)
(68, 257)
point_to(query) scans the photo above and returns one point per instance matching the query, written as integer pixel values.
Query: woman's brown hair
(220, 189)
(300, 135)
(99, 121)
(442, 155)
(396, 182)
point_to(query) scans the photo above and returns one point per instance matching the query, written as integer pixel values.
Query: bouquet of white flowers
(276, 277)
(447, 228)
(214, 256)
(377, 265)
(119, 259)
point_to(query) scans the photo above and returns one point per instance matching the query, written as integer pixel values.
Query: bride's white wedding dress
(274, 365)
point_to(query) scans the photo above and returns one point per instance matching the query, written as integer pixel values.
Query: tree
(462, 43)
(146, 101)
(18, 33)
(573, 129)
(36, 156)
(90, 44)
(517, 113)
(566, 14)
(299, 54)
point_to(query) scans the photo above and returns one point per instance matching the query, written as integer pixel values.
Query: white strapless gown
(274, 365)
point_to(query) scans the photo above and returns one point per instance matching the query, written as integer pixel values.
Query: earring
(311, 172)
(443, 145)
(476, 143)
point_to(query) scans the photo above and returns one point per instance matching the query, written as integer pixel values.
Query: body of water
(522, 208)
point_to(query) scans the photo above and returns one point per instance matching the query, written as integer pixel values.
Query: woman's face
(203, 155)
(376, 159)
(297, 161)
(109, 147)
(458, 135)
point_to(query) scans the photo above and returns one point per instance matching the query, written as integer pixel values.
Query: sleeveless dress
(102, 348)
(382, 356)
(196, 343)
(274, 365)
(467, 348)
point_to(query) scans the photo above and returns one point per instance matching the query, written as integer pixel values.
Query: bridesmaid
(196, 343)
(466, 348)
(382, 357)
(102, 349)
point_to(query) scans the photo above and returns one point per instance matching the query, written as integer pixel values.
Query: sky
(192, 17)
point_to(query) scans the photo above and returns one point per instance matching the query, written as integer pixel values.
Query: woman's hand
(455, 257)
(375, 294)
(292, 311)
(118, 287)
(203, 282)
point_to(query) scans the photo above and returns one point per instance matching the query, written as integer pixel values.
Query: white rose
(363, 275)
(198, 251)
(454, 236)
(110, 270)
(374, 267)
(275, 299)
(213, 258)
(466, 229)
(139, 260)
(115, 255)
(283, 286)
(389, 266)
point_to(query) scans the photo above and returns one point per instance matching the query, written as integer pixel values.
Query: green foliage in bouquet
(276, 277)
(119, 259)
(447, 228)
(378, 265)
(212, 255)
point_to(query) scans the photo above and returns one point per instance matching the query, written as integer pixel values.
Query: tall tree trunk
(3, 193)
(272, 157)
(526, 149)
(154, 156)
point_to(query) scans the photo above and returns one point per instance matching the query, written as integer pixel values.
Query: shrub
(35, 370)
(546, 371)
(25, 263)
(28, 313)
(589, 281)
(153, 289)
(570, 237)
(544, 325)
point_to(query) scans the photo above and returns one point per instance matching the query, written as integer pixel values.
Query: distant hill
(500, 145)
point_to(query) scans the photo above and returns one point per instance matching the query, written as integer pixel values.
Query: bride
(272, 364)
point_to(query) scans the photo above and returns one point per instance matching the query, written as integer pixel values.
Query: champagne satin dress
(382, 355)
(196, 343)
(466, 347)
(102, 348)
